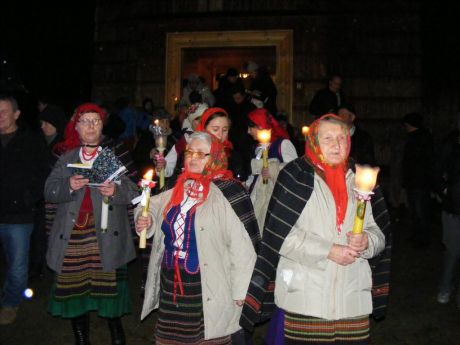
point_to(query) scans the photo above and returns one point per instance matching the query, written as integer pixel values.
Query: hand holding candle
(146, 184)
(264, 137)
(365, 180)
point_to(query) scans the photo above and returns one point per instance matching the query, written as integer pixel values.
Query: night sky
(49, 49)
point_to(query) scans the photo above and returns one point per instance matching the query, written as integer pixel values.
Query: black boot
(80, 326)
(116, 331)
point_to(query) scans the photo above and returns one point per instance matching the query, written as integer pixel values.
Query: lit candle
(146, 184)
(264, 136)
(365, 180)
(305, 130)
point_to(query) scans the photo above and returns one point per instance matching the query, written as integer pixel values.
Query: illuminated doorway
(211, 53)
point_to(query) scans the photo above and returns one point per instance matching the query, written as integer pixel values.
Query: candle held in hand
(365, 180)
(146, 185)
(264, 136)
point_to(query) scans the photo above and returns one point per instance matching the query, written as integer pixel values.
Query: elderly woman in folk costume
(323, 277)
(202, 256)
(90, 264)
(280, 152)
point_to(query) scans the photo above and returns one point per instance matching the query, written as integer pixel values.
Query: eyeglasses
(196, 154)
(87, 123)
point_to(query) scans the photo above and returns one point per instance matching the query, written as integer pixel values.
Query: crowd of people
(241, 233)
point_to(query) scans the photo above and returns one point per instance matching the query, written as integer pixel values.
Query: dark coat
(362, 147)
(448, 173)
(417, 160)
(325, 101)
(24, 166)
(116, 245)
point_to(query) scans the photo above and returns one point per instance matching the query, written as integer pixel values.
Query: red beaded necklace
(88, 156)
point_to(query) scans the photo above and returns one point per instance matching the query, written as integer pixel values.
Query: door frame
(282, 40)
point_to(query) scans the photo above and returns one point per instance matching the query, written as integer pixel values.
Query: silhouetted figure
(417, 179)
(362, 144)
(448, 187)
(329, 99)
(262, 86)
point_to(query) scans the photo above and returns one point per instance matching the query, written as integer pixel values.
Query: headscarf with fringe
(333, 175)
(215, 168)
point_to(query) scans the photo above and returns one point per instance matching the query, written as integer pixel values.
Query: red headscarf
(71, 137)
(263, 119)
(334, 175)
(216, 168)
(201, 127)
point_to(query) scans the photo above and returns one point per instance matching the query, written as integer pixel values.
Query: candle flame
(156, 122)
(175, 99)
(264, 136)
(305, 130)
(149, 175)
(366, 177)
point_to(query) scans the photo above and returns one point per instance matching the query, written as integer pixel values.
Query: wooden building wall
(376, 46)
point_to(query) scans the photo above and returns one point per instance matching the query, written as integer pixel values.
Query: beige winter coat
(307, 282)
(226, 256)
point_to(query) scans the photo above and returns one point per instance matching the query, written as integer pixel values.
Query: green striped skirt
(300, 329)
(182, 322)
(82, 286)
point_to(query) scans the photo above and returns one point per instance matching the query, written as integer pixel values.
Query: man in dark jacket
(448, 187)
(329, 99)
(24, 165)
(417, 177)
(238, 111)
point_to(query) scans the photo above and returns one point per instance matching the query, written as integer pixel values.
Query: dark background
(47, 50)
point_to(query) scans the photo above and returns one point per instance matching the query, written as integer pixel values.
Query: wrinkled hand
(107, 189)
(143, 223)
(239, 302)
(342, 255)
(78, 182)
(265, 174)
(358, 242)
(152, 153)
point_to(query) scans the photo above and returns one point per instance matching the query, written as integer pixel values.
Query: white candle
(104, 214)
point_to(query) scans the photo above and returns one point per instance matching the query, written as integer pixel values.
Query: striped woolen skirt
(300, 329)
(82, 286)
(182, 322)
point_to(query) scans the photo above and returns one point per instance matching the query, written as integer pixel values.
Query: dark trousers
(38, 242)
(420, 214)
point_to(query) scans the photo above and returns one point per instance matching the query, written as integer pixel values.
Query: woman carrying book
(90, 263)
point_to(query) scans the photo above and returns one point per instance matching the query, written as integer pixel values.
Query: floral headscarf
(333, 175)
(215, 168)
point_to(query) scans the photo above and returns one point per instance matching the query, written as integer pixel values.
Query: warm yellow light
(149, 175)
(305, 130)
(175, 99)
(244, 75)
(156, 122)
(366, 177)
(264, 136)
